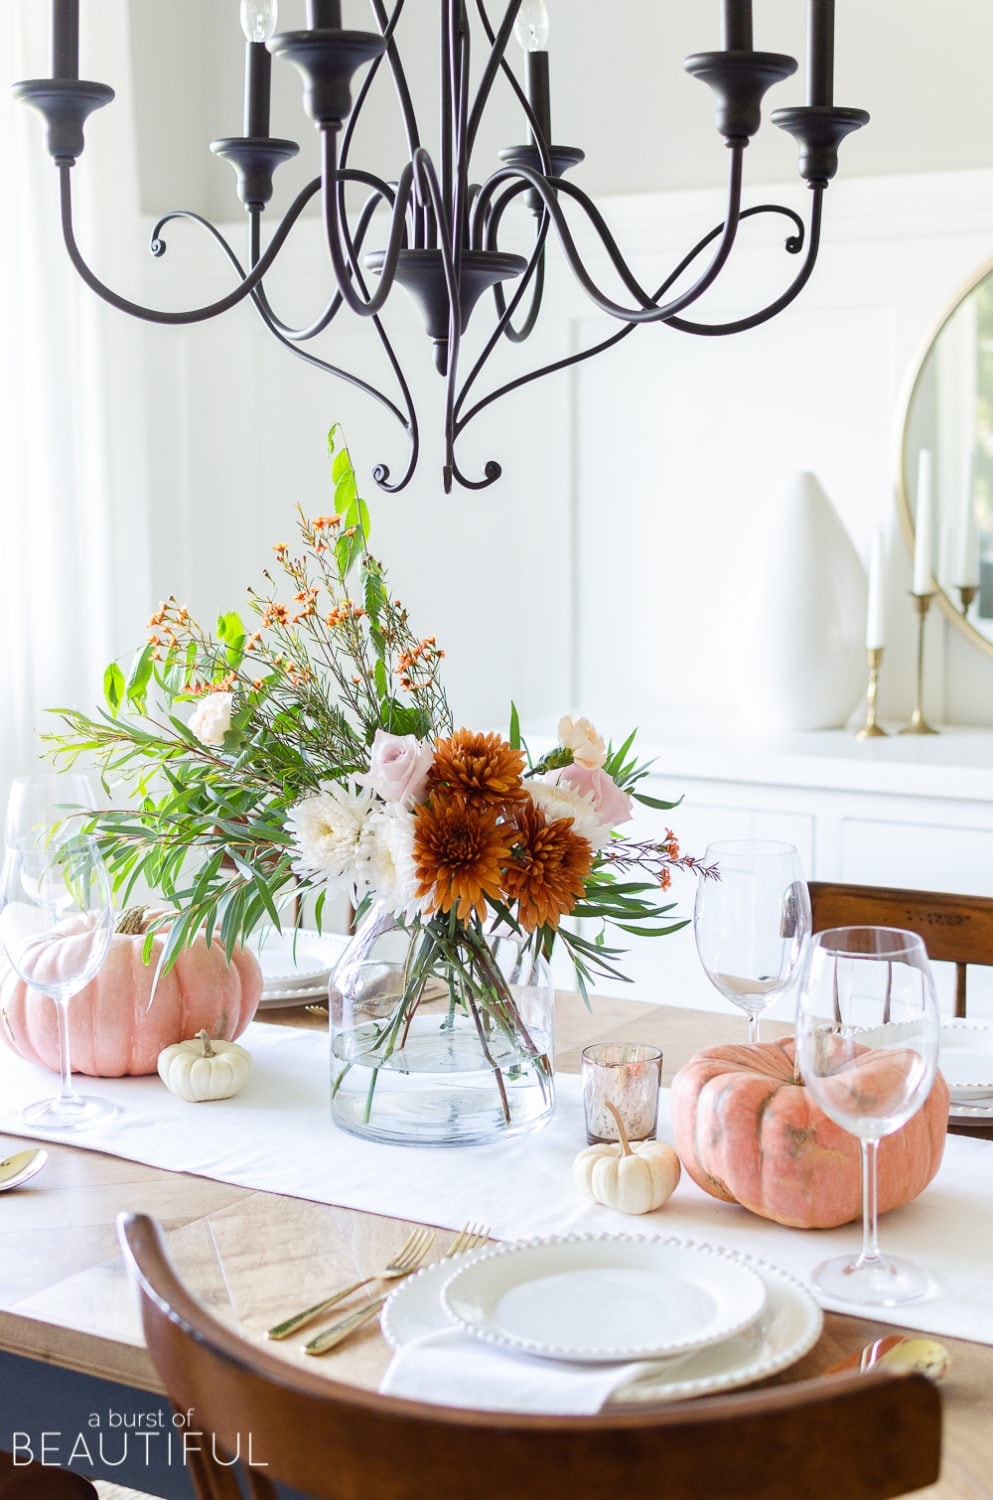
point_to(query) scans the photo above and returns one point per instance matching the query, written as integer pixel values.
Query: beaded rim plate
(603, 1298)
(966, 1060)
(788, 1327)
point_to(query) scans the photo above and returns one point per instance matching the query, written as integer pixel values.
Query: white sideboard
(906, 810)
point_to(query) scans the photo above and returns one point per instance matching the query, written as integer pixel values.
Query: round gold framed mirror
(948, 414)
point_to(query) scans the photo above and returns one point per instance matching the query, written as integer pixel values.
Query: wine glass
(751, 922)
(867, 1037)
(40, 802)
(56, 921)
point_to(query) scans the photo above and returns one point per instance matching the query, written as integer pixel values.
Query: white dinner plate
(603, 1298)
(966, 1060)
(788, 1326)
(298, 959)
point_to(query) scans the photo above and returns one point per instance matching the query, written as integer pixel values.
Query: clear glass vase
(439, 1040)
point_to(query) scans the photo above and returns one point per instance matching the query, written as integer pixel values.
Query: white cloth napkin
(454, 1369)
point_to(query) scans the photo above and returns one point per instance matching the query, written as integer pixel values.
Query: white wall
(604, 570)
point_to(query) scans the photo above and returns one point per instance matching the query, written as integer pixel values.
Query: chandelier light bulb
(258, 19)
(531, 26)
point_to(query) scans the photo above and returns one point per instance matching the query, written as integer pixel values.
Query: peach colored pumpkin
(116, 1025)
(747, 1131)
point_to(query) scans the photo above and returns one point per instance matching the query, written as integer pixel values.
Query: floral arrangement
(316, 753)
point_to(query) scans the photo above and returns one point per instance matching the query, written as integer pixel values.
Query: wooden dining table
(68, 1319)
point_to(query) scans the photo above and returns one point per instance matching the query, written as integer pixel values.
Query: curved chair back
(864, 1437)
(955, 929)
(38, 1481)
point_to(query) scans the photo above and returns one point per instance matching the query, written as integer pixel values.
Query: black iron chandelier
(441, 227)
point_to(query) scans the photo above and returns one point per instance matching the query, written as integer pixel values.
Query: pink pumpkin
(748, 1131)
(116, 1024)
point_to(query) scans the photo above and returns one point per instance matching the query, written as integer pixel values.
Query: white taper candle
(875, 630)
(923, 525)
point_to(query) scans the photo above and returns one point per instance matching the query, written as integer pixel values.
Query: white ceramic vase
(796, 635)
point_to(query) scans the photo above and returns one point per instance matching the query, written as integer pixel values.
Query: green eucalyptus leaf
(114, 687)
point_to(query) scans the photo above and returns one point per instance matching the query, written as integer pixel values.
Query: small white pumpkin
(633, 1179)
(200, 1069)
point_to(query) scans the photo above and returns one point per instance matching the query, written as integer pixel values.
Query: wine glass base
(886, 1282)
(75, 1113)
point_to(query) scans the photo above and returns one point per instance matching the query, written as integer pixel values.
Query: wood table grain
(255, 1256)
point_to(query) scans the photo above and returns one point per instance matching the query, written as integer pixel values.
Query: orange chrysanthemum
(480, 767)
(459, 852)
(545, 876)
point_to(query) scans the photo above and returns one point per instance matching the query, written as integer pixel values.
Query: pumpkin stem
(204, 1036)
(625, 1143)
(132, 921)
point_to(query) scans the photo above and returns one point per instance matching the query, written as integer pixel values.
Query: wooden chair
(38, 1481)
(864, 1437)
(955, 929)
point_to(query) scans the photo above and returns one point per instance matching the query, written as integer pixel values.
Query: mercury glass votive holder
(628, 1075)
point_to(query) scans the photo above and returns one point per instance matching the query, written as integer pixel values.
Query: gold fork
(407, 1259)
(468, 1238)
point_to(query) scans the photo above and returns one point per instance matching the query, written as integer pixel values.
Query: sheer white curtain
(73, 550)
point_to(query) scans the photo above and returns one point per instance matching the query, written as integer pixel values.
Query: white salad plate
(788, 1326)
(296, 965)
(966, 1060)
(604, 1298)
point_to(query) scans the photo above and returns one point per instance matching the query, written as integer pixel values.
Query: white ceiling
(618, 91)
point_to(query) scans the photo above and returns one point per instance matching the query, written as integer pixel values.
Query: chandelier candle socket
(433, 226)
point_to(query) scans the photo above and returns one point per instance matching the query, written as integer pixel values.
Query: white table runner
(277, 1135)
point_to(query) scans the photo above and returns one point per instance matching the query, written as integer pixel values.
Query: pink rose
(398, 767)
(610, 805)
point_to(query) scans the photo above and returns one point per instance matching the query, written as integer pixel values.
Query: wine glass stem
(753, 1027)
(870, 1243)
(67, 1094)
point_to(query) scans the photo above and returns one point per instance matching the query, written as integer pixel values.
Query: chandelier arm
(367, 306)
(429, 188)
(491, 473)
(334, 306)
(794, 244)
(742, 325)
(248, 284)
(464, 193)
(535, 268)
(157, 245)
(496, 62)
(648, 312)
(387, 26)
(537, 135)
(524, 332)
(323, 364)
(381, 472)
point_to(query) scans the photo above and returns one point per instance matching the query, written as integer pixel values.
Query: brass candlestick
(870, 729)
(918, 724)
(967, 592)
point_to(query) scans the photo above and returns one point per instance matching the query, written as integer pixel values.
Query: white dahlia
(328, 829)
(388, 850)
